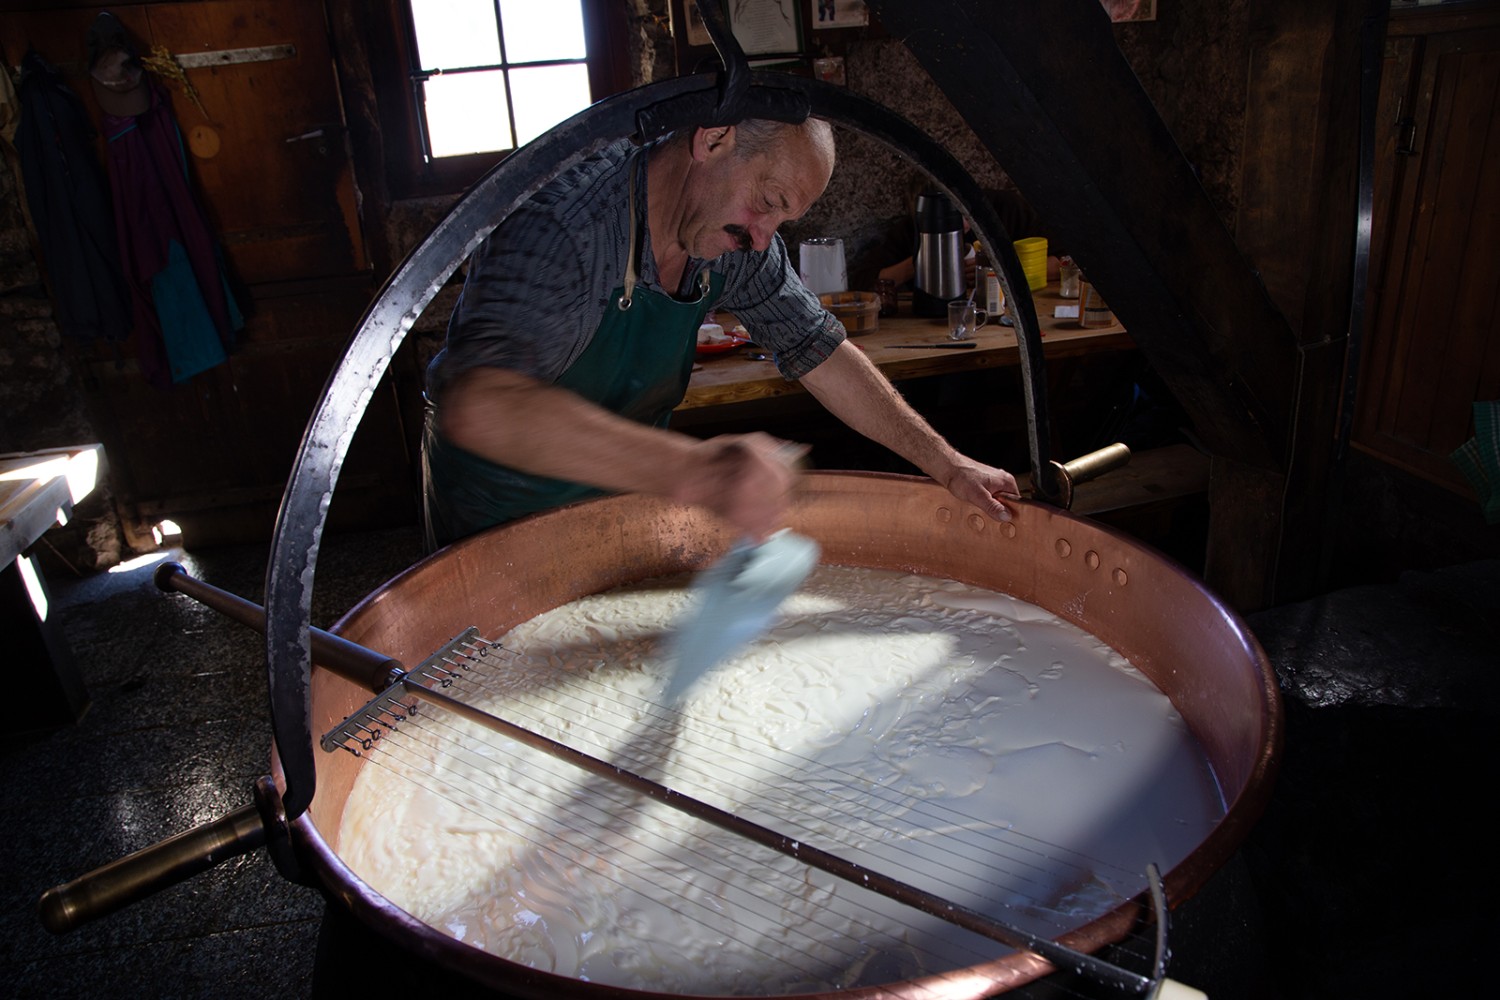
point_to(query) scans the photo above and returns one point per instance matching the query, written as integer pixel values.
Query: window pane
(545, 95)
(466, 113)
(537, 30)
(454, 33)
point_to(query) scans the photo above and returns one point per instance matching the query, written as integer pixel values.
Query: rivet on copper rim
(976, 521)
(1091, 559)
(944, 515)
(1008, 529)
(1064, 548)
(1121, 577)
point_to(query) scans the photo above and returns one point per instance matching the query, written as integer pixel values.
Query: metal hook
(736, 99)
(735, 80)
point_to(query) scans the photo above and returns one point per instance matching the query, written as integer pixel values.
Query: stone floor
(1368, 876)
(177, 733)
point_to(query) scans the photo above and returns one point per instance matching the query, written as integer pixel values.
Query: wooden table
(736, 378)
(1153, 480)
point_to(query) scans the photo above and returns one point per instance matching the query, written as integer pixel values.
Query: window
(492, 75)
(478, 78)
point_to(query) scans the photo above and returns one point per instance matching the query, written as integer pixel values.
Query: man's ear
(712, 141)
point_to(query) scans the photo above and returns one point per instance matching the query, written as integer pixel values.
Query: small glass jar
(886, 289)
(1067, 278)
(989, 293)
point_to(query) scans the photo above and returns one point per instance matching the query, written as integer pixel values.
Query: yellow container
(1032, 253)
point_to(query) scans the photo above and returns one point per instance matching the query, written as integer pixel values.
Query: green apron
(637, 366)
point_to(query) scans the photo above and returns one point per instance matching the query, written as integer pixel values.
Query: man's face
(733, 203)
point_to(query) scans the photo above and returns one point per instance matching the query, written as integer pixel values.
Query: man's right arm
(517, 421)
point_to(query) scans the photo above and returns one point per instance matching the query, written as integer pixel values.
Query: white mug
(821, 265)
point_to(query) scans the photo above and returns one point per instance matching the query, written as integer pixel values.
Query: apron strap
(625, 299)
(631, 274)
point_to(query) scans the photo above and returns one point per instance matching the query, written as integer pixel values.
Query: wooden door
(268, 159)
(1433, 329)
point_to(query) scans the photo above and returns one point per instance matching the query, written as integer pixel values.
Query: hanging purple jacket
(183, 310)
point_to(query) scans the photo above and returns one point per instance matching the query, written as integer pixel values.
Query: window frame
(395, 68)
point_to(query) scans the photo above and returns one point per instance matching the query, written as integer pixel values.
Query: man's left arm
(850, 386)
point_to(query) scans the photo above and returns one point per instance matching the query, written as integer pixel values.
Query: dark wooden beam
(1047, 90)
(1298, 224)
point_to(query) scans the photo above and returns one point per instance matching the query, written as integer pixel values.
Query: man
(575, 334)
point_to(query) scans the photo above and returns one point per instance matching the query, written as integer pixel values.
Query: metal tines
(393, 706)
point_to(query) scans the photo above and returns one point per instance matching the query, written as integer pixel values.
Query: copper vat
(1152, 611)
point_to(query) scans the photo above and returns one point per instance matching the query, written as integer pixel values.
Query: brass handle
(151, 869)
(1086, 467)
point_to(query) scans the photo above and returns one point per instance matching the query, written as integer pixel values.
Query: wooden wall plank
(1435, 310)
(280, 183)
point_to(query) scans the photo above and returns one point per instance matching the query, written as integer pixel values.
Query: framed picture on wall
(837, 14)
(764, 27)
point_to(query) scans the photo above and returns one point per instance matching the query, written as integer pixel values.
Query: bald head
(813, 137)
(725, 188)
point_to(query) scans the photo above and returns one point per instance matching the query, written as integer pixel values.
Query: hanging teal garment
(167, 247)
(188, 331)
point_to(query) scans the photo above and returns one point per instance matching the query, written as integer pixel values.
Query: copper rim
(1151, 610)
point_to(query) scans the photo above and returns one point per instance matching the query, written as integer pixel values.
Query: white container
(821, 265)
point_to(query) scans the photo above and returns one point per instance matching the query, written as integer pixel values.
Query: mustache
(741, 235)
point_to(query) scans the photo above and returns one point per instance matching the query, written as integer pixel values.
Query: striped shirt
(538, 286)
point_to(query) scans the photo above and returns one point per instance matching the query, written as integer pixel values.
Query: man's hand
(982, 485)
(855, 391)
(744, 478)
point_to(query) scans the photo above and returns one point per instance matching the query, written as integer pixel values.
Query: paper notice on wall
(764, 26)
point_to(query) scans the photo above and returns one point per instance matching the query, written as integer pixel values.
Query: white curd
(954, 738)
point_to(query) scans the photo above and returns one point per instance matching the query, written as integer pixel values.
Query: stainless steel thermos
(939, 256)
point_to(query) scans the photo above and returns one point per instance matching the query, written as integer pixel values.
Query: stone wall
(39, 397)
(1193, 63)
(42, 402)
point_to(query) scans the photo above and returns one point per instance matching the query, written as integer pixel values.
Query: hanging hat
(115, 72)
